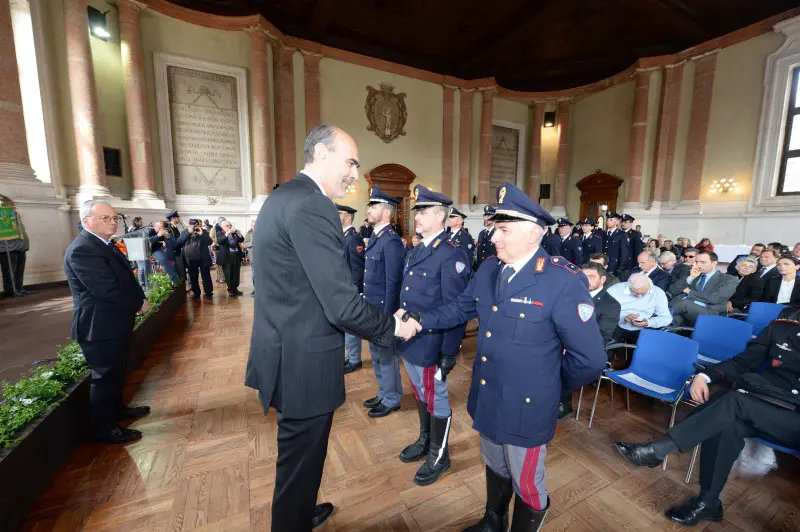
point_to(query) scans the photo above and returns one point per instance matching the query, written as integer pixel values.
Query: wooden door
(598, 189)
(395, 180)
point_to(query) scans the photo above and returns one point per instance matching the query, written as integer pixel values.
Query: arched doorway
(598, 189)
(395, 180)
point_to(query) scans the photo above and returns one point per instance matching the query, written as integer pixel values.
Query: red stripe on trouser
(427, 382)
(527, 480)
(416, 393)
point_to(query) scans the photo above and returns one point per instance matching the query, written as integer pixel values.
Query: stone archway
(395, 180)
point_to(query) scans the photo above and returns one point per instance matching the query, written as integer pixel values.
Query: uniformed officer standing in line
(637, 243)
(174, 220)
(436, 274)
(383, 274)
(570, 246)
(537, 337)
(458, 232)
(484, 248)
(551, 243)
(591, 242)
(354, 255)
(616, 244)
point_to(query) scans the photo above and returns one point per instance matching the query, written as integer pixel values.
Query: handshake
(409, 324)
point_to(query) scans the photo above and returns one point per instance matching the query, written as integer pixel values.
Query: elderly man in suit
(297, 346)
(648, 265)
(704, 291)
(106, 299)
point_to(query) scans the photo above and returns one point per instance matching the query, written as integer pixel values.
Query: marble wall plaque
(505, 156)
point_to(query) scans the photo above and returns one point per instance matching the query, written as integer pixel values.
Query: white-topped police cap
(514, 205)
(425, 197)
(376, 195)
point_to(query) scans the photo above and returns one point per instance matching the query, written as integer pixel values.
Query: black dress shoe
(382, 410)
(195, 296)
(137, 411)
(209, 296)
(350, 368)
(239, 292)
(564, 409)
(639, 454)
(695, 510)
(26, 292)
(118, 435)
(321, 513)
(372, 402)
(233, 293)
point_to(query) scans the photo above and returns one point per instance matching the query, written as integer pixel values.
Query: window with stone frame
(789, 176)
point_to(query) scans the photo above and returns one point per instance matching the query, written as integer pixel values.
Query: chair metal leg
(628, 398)
(671, 423)
(691, 464)
(580, 400)
(612, 393)
(594, 405)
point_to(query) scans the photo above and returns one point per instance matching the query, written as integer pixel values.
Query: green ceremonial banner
(9, 228)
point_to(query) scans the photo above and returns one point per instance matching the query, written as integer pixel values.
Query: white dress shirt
(427, 241)
(595, 292)
(766, 270)
(653, 306)
(346, 228)
(103, 240)
(785, 293)
(520, 264)
(314, 179)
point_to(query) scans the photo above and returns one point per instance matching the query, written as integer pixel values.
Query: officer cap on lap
(376, 195)
(513, 205)
(424, 198)
(345, 209)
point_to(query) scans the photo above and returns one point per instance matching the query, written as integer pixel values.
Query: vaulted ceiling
(528, 45)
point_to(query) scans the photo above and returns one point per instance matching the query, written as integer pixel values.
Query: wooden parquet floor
(207, 461)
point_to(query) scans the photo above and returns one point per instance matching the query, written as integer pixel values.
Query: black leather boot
(419, 448)
(526, 519)
(438, 459)
(498, 495)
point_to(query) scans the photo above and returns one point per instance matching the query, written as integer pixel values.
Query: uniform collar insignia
(437, 242)
(540, 264)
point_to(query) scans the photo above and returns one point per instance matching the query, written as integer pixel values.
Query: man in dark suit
(704, 291)
(768, 259)
(229, 255)
(648, 264)
(570, 246)
(106, 298)
(721, 424)
(297, 345)
(354, 256)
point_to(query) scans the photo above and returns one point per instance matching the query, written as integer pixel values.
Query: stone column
(638, 137)
(83, 96)
(311, 63)
(284, 112)
(136, 100)
(667, 134)
(535, 175)
(560, 194)
(465, 147)
(262, 141)
(448, 97)
(485, 168)
(705, 67)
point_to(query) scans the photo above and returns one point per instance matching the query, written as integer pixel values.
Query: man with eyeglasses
(642, 305)
(107, 298)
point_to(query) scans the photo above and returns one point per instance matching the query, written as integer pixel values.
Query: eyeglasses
(108, 219)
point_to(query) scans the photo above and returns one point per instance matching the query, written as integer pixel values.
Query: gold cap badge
(501, 195)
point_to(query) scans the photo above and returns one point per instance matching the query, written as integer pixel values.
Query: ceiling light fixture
(723, 186)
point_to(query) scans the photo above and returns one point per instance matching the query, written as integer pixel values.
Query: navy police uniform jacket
(637, 245)
(435, 276)
(520, 368)
(354, 255)
(383, 269)
(572, 251)
(590, 245)
(484, 248)
(552, 244)
(465, 242)
(618, 248)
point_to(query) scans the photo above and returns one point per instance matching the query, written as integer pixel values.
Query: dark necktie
(505, 276)
(701, 283)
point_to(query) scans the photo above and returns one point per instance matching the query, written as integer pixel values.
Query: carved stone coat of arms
(386, 112)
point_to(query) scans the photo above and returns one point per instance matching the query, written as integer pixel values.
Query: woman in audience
(750, 287)
(668, 245)
(652, 245)
(678, 248)
(783, 289)
(705, 245)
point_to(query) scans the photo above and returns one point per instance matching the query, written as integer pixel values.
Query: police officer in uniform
(591, 242)
(173, 220)
(551, 243)
(537, 337)
(484, 248)
(354, 256)
(760, 405)
(637, 243)
(436, 274)
(383, 275)
(458, 232)
(616, 244)
(570, 246)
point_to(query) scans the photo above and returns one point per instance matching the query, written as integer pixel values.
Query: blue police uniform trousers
(387, 373)
(352, 345)
(524, 466)
(428, 389)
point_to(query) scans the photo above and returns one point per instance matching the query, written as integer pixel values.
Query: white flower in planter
(46, 374)
(26, 401)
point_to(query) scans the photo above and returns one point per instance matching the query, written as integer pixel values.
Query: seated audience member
(642, 305)
(667, 246)
(653, 245)
(704, 291)
(678, 248)
(755, 251)
(704, 244)
(648, 265)
(606, 312)
(796, 251)
(682, 269)
(768, 260)
(725, 419)
(602, 259)
(777, 247)
(750, 286)
(783, 289)
(667, 261)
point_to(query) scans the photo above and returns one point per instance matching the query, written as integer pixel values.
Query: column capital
(258, 28)
(309, 53)
(129, 10)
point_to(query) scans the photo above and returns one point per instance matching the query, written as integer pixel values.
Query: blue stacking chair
(720, 338)
(660, 367)
(759, 315)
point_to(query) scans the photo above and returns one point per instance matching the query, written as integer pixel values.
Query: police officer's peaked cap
(514, 205)
(612, 214)
(564, 222)
(345, 208)
(376, 195)
(456, 212)
(173, 214)
(424, 198)
(488, 210)
(627, 218)
(588, 221)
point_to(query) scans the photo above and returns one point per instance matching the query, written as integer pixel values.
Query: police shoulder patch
(565, 264)
(460, 266)
(585, 311)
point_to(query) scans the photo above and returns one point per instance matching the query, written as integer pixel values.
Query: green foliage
(43, 387)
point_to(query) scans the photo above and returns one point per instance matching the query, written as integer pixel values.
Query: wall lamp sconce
(97, 24)
(549, 118)
(724, 185)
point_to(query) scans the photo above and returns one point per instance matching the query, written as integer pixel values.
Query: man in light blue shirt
(642, 305)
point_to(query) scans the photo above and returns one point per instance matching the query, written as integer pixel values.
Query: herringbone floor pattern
(207, 460)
